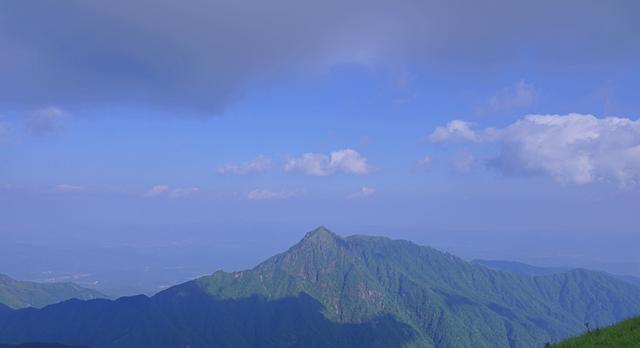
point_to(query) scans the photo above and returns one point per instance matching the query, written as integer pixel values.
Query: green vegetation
(528, 270)
(21, 294)
(623, 335)
(328, 291)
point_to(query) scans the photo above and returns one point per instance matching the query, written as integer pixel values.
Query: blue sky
(292, 123)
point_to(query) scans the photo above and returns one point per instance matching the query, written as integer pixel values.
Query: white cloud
(157, 190)
(44, 121)
(363, 192)
(573, 148)
(455, 130)
(166, 191)
(259, 165)
(264, 194)
(65, 188)
(346, 161)
(521, 95)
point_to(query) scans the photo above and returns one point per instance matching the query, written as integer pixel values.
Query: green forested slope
(622, 335)
(328, 291)
(529, 270)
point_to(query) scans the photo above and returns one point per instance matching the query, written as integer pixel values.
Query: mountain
(629, 279)
(529, 270)
(21, 294)
(623, 335)
(521, 268)
(329, 291)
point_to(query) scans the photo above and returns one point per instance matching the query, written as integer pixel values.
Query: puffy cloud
(44, 121)
(573, 148)
(264, 194)
(259, 165)
(363, 192)
(455, 130)
(166, 191)
(204, 54)
(346, 161)
(65, 188)
(521, 95)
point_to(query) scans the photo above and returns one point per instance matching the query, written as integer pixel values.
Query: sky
(497, 129)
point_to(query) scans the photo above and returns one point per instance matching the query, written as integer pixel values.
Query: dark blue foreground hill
(328, 291)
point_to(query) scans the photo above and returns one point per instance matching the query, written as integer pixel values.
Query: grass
(624, 334)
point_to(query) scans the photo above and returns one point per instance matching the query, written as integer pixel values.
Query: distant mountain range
(329, 291)
(521, 268)
(21, 294)
(529, 270)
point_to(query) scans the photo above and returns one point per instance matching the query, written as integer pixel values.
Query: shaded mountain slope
(328, 291)
(192, 318)
(21, 294)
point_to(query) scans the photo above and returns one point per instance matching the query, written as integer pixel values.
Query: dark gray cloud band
(200, 55)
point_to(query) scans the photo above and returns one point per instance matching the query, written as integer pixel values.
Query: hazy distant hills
(21, 294)
(521, 268)
(529, 270)
(328, 291)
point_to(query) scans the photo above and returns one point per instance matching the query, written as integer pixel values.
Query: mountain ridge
(522, 268)
(347, 288)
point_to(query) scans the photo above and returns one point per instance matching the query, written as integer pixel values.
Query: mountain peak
(320, 233)
(320, 236)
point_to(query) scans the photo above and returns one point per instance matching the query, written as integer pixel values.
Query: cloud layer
(166, 191)
(264, 194)
(203, 54)
(346, 161)
(463, 162)
(573, 148)
(455, 130)
(363, 192)
(258, 165)
(521, 95)
(66, 188)
(44, 121)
